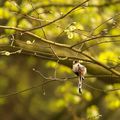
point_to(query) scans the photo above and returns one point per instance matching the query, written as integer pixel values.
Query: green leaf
(12, 22)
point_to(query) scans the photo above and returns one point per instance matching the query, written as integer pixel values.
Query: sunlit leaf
(4, 13)
(87, 95)
(113, 101)
(108, 57)
(93, 113)
(12, 22)
(25, 24)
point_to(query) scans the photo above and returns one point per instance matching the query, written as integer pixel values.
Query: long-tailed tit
(80, 71)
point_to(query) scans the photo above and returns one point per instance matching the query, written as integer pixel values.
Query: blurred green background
(58, 100)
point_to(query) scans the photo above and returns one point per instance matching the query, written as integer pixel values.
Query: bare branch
(94, 38)
(31, 88)
(61, 17)
(102, 42)
(70, 47)
(115, 16)
(101, 90)
(48, 80)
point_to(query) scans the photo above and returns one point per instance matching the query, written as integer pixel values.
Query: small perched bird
(80, 71)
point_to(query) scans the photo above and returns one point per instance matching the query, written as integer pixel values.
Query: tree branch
(69, 47)
(61, 17)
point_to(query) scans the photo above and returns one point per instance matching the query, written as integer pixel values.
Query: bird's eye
(75, 61)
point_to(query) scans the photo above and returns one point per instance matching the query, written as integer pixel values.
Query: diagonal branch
(61, 17)
(69, 47)
(48, 80)
(94, 38)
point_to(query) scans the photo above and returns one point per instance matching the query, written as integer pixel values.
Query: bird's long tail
(80, 84)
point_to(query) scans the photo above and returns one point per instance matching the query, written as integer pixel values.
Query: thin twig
(94, 38)
(115, 16)
(61, 17)
(100, 89)
(48, 80)
(31, 88)
(38, 18)
(102, 42)
(54, 52)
